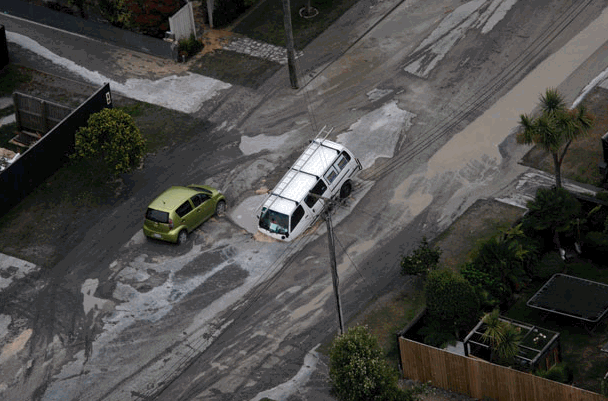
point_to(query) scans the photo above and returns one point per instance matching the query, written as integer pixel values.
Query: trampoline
(573, 297)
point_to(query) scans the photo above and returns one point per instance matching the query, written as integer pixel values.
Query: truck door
(315, 203)
(299, 217)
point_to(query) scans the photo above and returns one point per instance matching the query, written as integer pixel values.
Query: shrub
(489, 288)
(436, 335)
(190, 46)
(504, 258)
(451, 300)
(117, 12)
(150, 17)
(554, 210)
(560, 373)
(596, 245)
(421, 260)
(550, 264)
(595, 220)
(603, 196)
(358, 371)
(111, 142)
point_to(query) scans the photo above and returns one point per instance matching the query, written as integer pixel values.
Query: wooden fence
(182, 23)
(478, 378)
(37, 115)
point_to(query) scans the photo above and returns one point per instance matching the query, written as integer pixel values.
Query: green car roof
(172, 198)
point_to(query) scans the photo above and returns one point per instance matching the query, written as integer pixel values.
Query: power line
(471, 105)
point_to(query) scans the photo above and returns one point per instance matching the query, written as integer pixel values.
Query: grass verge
(584, 154)
(391, 313)
(44, 225)
(12, 77)
(161, 127)
(481, 220)
(265, 22)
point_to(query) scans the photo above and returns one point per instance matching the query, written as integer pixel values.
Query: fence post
(191, 12)
(45, 117)
(17, 112)
(210, 12)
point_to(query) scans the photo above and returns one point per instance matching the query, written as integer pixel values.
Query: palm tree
(494, 328)
(506, 350)
(555, 128)
(502, 337)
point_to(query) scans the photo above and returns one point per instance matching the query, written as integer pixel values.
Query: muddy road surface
(232, 316)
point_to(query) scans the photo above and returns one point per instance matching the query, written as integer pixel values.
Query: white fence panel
(182, 22)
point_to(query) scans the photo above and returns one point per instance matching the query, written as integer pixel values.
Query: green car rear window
(157, 216)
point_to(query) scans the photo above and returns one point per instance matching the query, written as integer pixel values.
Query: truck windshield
(274, 222)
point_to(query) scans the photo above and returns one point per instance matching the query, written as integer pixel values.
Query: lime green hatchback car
(179, 210)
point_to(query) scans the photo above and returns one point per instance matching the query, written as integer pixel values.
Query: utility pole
(334, 270)
(291, 53)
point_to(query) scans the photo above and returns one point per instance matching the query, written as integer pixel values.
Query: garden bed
(581, 348)
(494, 260)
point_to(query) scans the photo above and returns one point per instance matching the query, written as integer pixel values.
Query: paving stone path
(244, 45)
(259, 49)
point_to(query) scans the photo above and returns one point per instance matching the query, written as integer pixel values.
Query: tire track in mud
(52, 303)
(469, 108)
(193, 347)
(477, 102)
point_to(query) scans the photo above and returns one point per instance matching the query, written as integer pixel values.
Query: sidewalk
(155, 80)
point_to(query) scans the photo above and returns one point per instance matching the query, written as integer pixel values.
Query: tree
(110, 142)
(555, 128)
(358, 371)
(150, 17)
(553, 209)
(145, 16)
(508, 347)
(502, 337)
(114, 11)
(421, 260)
(451, 300)
(80, 4)
(506, 255)
(494, 332)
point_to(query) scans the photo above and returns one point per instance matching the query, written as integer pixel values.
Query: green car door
(203, 208)
(187, 215)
